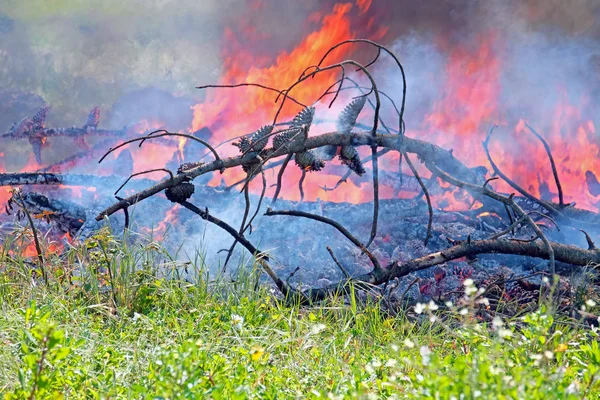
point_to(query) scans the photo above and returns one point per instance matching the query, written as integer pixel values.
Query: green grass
(146, 336)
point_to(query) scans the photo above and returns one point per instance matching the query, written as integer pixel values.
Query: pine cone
(304, 117)
(40, 117)
(349, 157)
(180, 193)
(260, 138)
(36, 144)
(21, 127)
(307, 161)
(93, 119)
(348, 116)
(243, 144)
(286, 136)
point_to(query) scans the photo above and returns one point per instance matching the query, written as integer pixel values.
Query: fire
(231, 112)
(467, 107)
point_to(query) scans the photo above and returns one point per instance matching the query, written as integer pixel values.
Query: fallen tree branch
(424, 150)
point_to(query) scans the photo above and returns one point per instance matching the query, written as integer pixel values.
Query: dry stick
(510, 228)
(375, 195)
(143, 173)
(390, 53)
(508, 200)
(112, 149)
(251, 84)
(260, 200)
(260, 256)
(339, 265)
(38, 247)
(590, 242)
(552, 164)
(512, 183)
(241, 230)
(427, 197)
(280, 177)
(333, 223)
(249, 224)
(300, 183)
(410, 285)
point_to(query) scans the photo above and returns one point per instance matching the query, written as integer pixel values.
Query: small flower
(419, 308)
(256, 352)
(468, 282)
(548, 354)
(561, 348)
(504, 333)
(432, 306)
(425, 355)
(464, 311)
(497, 322)
(395, 346)
(409, 343)
(237, 321)
(590, 303)
(391, 363)
(318, 328)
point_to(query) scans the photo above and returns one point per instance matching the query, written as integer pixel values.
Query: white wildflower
(425, 355)
(497, 322)
(432, 306)
(504, 333)
(318, 328)
(237, 321)
(419, 308)
(464, 311)
(391, 363)
(549, 355)
(409, 343)
(590, 303)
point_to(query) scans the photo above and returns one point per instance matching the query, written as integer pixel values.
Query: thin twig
(142, 173)
(125, 143)
(561, 201)
(339, 265)
(427, 197)
(250, 84)
(38, 247)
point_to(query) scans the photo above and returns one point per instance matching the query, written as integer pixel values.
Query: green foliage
(167, 338)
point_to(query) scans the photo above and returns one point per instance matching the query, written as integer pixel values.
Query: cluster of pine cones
(309, 160)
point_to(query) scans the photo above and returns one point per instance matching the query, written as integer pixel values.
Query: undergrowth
(121, 320)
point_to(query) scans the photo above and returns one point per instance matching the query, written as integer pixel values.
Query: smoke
(140, 59)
